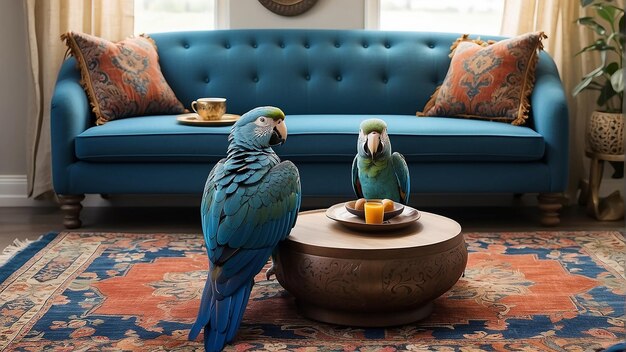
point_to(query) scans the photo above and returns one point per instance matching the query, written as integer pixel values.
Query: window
(152, 16)
(456, 16)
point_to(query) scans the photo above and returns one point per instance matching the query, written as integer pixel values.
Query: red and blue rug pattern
(538, 291)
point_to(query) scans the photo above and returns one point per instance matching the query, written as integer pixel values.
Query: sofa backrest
(307, 71)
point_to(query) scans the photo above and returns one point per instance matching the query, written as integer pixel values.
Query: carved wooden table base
(608, 208)
(341, 276)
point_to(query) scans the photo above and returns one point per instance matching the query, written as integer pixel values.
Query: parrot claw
(271, 271)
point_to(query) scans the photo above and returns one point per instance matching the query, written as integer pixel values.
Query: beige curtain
(46, 21)
(565, 38)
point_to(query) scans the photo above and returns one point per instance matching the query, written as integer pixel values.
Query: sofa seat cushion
(151, 139)
(312, 138)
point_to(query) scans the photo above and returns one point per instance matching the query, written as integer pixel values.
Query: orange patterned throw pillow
(122, 79)
(488, 80)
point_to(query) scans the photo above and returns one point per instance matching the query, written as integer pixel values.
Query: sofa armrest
(551, 120)
(70, 115)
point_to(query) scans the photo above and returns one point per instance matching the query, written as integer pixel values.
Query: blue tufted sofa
(326, 81)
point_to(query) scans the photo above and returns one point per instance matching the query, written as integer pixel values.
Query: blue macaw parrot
(377, 173)
(250, 203)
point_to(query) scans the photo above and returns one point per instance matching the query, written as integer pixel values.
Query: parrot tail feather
(204, 312)
(210, 340)
(222, 314)
(240, 301)
(224, 319)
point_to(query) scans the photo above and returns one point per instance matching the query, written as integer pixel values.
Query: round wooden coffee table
(343, 276)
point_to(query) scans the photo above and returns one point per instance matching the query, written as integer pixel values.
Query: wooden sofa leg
(71, 207)
(550, 204)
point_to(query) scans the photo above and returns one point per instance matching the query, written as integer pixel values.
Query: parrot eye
(262, 121)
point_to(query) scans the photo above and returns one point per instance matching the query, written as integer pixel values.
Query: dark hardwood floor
(519, 215)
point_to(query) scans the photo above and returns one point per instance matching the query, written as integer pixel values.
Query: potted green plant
(605, 129)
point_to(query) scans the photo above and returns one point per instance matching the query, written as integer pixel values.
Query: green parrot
(377, 173)
(250, 203)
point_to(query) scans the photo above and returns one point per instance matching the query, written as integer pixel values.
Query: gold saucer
(194, 120)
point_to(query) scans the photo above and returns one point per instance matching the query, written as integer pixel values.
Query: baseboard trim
(14, 191)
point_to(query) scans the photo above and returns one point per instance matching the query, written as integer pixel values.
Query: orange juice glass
(374, 213)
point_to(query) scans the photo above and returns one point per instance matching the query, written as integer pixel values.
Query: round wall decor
(288, 7)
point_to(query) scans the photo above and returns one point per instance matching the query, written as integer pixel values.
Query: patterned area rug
(544, 291)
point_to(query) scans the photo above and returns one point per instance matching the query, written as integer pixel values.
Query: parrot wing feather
(264, 226)
(208, 198)
(402, 174)
(239, 248)
(272, 202)
(356, 183)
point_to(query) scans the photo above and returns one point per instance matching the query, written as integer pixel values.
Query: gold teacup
(209, 108)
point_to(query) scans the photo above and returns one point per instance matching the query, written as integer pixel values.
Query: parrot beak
(373, 143)
(279, 134)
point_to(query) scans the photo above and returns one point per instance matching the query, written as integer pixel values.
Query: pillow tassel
(465, 38)
(524, 108)
(74, 50)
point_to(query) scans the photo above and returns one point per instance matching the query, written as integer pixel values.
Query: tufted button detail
(431, 45)
(282, 45)
(255, 45)
(306, 45)
(365, 45)
(227, 45)
(186, 45)
(337, 45)
(307, 77)
(387, 45)
(255, 79)
(385, 80)
(206, 80)
(339, 78)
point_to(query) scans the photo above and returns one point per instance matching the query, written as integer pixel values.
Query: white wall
(13, 92)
